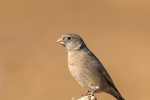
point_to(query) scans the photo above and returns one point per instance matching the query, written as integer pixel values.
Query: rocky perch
(89, 97)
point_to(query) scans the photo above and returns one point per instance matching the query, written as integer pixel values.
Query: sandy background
(34, 67)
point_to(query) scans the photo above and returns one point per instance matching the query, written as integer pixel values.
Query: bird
(86, 68)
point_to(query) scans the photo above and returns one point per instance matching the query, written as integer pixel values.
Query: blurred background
(34, 67)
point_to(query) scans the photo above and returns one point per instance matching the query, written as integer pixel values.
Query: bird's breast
(75, 64)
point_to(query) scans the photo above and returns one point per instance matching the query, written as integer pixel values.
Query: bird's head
(72, 42)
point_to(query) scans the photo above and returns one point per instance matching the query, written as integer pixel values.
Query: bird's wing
(103, 70)
(109, 80)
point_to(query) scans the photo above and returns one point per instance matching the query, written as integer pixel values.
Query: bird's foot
(92, 94)
(87, 93)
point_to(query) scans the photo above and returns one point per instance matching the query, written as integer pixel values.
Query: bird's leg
(85, 93)
(94, 91)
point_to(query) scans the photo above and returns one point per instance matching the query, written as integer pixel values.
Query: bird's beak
(61, 41)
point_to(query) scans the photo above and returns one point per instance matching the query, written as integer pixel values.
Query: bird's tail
(116, 94)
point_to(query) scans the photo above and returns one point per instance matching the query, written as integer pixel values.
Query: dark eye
(69, 38)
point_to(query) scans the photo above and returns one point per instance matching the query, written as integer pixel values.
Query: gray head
(72, 42)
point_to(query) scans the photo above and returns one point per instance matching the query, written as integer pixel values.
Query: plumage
(86, 68)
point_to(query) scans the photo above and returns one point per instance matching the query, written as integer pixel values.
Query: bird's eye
(69, 38)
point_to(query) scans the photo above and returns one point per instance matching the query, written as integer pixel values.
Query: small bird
(86, 68)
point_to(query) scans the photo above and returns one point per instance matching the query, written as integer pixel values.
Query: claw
(85, 93)
(92, 94)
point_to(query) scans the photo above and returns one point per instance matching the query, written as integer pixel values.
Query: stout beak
(61, 41)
